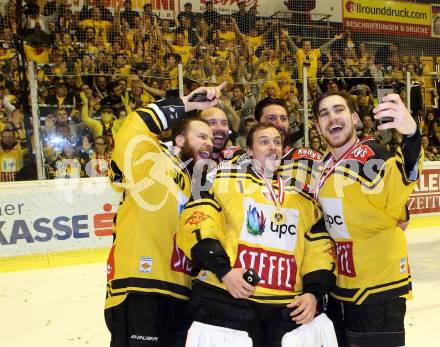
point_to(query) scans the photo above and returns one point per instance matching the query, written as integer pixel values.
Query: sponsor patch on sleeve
(344, 253)
(307, 153)
(403, 265)
(361, 154)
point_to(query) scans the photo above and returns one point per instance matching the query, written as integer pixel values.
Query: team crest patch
(196, 217)
(146, 265)
(402, 265)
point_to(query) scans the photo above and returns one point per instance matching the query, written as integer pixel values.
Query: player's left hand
(305, 308)
(393, 107)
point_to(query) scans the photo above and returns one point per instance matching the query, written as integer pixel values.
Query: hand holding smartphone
(383, 90)
(199, 97)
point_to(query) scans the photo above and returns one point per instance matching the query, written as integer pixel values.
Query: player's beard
(219, 144)
(190, 156)
(198, 167)
(187, 155)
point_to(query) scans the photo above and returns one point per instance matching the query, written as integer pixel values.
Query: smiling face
(335, 122)
(196, 143)
(277, 116)
(265, 147)
(219, 125)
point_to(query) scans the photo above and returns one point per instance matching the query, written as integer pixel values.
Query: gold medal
(278, 217)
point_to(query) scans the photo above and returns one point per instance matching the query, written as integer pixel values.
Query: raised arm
(330, 42)
(86, 112)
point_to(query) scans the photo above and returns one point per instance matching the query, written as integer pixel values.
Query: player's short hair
(182, 128)
(347, 97)
(255, 128)
(267, 102)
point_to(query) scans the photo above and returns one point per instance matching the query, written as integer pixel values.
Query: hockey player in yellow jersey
(250, 218)
(362, 190)
(148, 277)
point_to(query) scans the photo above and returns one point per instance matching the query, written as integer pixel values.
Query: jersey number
(179, 179)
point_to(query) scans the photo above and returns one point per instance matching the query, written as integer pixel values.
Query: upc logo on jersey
(334, 218)
(282, 229)
(255, 221)
(276, 270)
(344, 253)
(259, 229)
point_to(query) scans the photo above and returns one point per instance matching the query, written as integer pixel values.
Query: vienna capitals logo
(256, 222)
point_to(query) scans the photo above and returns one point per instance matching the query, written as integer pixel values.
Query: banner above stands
(265, 8)
(387, 17)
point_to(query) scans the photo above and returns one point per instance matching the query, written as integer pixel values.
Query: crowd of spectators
(96, 65)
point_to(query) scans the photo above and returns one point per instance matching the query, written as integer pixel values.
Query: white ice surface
(63, 306)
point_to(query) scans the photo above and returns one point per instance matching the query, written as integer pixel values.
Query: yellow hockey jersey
(156, 186)
(362, 201)
(10, 163)
(239, 213)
